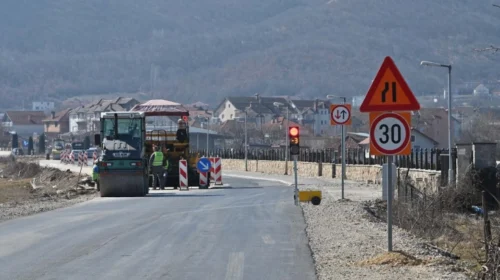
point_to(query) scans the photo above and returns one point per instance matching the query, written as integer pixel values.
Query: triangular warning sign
(389, 91)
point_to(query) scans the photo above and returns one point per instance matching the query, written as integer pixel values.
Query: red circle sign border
(333, 119)
(405, 124)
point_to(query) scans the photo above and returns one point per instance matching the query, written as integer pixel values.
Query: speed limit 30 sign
(390, 133)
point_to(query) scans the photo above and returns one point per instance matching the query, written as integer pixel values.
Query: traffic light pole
(296, 190)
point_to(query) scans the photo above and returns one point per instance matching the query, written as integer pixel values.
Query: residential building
(43, 106)
(420, 140)
(310, 113)
(24, 123)
(57, 123)
(481, 90)
(260, 109)
(433, 122)
(86, 118)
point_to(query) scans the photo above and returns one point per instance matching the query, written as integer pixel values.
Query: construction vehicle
(162, 129)
(122, 164)
(57, 148)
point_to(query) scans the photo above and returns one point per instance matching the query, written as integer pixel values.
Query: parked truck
(123, 163)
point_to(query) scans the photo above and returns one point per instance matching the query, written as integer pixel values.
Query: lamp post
(450, 161)
(278, 104)
(342, 142)
(208, 129)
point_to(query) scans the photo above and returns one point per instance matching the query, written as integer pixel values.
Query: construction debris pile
(26, 188)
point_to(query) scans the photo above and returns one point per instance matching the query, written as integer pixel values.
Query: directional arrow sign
(204, 165)
(389, 91)
(340, 114)
(390, 133)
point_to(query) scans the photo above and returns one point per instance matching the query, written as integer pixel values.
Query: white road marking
(235, 265)
(258, 178)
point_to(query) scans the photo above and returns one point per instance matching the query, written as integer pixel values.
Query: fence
(429, 159)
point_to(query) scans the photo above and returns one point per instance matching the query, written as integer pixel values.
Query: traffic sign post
(203, 164)
(390, 128)
(341, 115)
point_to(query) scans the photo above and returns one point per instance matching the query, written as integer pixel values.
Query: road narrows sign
(389, 91)
(390, 133)
(340, 114)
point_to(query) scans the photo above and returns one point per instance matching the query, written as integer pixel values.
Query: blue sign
(204, 165)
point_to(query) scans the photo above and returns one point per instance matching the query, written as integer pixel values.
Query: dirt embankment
(26, 188)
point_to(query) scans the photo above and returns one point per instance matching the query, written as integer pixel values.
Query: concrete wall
(427, 180)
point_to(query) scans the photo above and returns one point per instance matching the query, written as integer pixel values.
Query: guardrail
(428, 159)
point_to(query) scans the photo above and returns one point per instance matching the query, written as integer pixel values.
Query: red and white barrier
(183, 174)
(62, 157)
(216, 170)
(80, 159)
(72, 158)
(85, 159)
(203, 179)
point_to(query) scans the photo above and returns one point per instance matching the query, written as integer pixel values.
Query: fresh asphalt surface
(251, 230)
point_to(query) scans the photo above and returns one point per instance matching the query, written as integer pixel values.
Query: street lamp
(450, 161)
(246, 136)
(342, 141)
(278, 105)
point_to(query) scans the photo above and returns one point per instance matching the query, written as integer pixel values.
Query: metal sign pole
(296, 179)
(343, 160)
(389, 203)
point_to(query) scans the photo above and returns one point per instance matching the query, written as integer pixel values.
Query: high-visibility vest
(95, 172)
(158, 161)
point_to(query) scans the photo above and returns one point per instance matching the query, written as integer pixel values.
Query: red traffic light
(293, 131)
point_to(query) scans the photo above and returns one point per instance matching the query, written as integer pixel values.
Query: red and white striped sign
(72, 158)
(183, 174)
(216, 170)
(80, 159)
(85, 159)
(203, 179)
(63, 157)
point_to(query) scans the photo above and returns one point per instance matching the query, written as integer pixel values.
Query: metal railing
(427, 159)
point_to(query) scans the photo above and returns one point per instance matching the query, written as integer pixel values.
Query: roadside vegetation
(458, 222)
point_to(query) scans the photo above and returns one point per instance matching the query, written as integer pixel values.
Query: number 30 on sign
(390, 133)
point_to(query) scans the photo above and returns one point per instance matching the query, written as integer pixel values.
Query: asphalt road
(249, 231)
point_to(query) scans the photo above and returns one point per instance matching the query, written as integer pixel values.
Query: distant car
(90, 153)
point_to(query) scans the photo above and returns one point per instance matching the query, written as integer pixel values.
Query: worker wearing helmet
(181, 131)
(156, 162)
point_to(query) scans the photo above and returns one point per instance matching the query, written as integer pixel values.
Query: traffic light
(294, 138)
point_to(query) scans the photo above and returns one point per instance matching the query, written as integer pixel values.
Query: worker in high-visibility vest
(95, 175)
(156, 167)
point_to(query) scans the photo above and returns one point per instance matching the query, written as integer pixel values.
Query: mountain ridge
(199, 51)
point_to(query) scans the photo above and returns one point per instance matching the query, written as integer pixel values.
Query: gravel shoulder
(348, 244)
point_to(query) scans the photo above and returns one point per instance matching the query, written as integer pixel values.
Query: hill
(203, 50)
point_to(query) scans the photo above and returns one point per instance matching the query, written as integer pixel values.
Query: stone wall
(427, 180)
